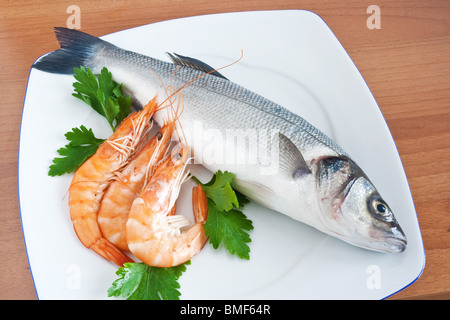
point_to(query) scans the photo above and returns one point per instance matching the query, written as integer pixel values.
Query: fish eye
(159, 135)
(380, 207)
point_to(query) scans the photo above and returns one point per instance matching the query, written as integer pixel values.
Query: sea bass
(279, 159)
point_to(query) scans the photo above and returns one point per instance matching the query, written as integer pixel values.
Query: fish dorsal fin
(193, 63)
(291, 159)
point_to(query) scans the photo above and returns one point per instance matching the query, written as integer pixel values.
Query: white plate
(291, 57)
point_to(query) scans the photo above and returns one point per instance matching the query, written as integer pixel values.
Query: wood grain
(406, 64)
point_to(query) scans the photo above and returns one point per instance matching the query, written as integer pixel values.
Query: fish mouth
(385, 245)
(395, 244)
(397, 239)
(394, 241)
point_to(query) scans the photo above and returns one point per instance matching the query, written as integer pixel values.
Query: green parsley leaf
(230, 229)
(124, 104)
(219, 190)
(86, 88)
(138, 281)
(225, 223)
(82, 145)
(82, 136)
(242, 199)
(103, 94)
(106, 97)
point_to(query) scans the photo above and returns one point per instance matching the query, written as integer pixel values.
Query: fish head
(352, 208)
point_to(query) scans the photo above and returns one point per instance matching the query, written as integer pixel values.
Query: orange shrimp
(94, 176)
(116, 203)
(153, 235)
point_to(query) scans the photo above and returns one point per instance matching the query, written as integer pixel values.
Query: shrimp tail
(110, 252)
(199, 204)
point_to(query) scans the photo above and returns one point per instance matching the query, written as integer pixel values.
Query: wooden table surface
(406, 64)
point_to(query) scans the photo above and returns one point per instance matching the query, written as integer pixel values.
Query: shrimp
(116, 203)
(94, 176)
(153, 235)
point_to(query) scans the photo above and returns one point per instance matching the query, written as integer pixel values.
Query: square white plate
(291, 57)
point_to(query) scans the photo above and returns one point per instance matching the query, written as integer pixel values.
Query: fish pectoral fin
(291, 159)
(193, 63)
(255, 191)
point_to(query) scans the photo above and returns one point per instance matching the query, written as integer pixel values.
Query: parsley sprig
(82, 145)
(106, 97)
(138, 281)
(103, 94)
(226, 224)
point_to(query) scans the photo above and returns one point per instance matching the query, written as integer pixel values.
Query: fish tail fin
(77, 49)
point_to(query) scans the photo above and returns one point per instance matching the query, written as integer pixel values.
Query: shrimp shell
(118, 198)
(153, 235)
(94, 176)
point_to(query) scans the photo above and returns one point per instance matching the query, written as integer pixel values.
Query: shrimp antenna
(202, 75)
(176, 114)
(189, 82)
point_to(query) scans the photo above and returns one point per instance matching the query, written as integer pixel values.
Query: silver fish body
(278, 158)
